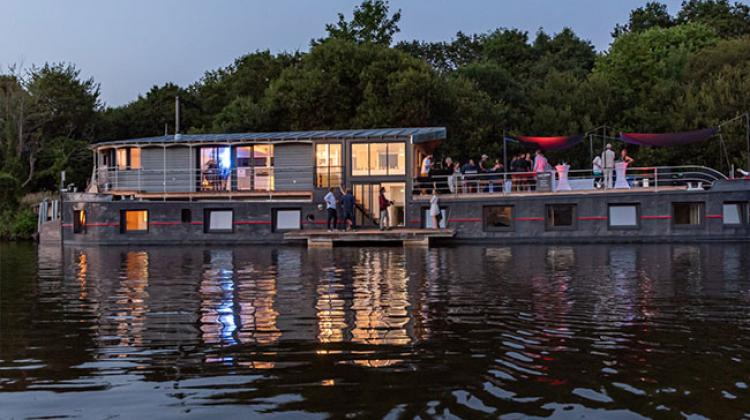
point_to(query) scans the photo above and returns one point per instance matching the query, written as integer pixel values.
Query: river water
(605, 331)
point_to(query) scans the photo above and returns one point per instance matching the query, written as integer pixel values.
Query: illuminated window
(79, 221)
(561, 216)
(498, 218)
(128, 158)
(328, 165)
(687, 214)
(376, 159)
(122, 159)
(134, 221)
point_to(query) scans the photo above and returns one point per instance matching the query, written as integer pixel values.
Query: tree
(652, 15)
(728, 20)
(370, 23)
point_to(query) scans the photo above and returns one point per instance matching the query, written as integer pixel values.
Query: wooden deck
(408, 237)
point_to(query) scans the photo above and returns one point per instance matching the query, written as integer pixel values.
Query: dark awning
(551, 143)
(668, 139)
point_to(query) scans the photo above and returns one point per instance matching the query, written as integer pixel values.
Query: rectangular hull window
(186, 216)
(687, 214)
(561, 216)
(733, 214)
(79, 221)
(623, 216)
(134, 221)
(428, 223)
(288, 220)
(219, 221)
(498, 218)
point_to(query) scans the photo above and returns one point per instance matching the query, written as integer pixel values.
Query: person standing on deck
(597, 171)
(426, 166)
(330, 200)
(608, 165)
(348, 203)
(384, 204)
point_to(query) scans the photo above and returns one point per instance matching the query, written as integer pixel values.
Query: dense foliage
(661, 73)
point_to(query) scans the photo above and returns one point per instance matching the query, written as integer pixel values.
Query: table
(562, 175)
(621, 180)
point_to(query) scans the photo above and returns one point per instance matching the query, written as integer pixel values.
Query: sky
(131, 45)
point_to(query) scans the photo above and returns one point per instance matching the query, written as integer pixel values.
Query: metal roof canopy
(414, 134)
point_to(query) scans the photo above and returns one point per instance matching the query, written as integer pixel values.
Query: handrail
(512, 182)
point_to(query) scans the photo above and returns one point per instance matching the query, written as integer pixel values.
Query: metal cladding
(414, 134)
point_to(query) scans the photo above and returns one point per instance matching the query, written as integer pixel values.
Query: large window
(623, 216)
(215, 168)
(498, 218)
(733, 213)
(218, 220)
(128, 158)
(374, 159)
(328, 161)
(79, 221)
(287, 219)
(561, 216)
(134, 221)
(687, 214)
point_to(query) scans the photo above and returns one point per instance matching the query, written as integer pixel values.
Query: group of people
(524, 170)
(347, 203)
(604, 167)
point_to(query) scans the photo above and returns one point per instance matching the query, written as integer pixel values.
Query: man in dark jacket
(348, 203)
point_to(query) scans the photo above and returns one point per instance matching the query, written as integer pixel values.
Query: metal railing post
(656, 179)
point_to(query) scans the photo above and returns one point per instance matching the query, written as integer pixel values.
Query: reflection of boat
(272, 183)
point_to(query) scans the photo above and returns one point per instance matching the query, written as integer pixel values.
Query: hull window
(287, 219)
(79, 221)
(561, 216)
(733, 214)
(220, 221)
(623, 216)
(134, 221)
(687, 214)
(186, 216)
(498, 218)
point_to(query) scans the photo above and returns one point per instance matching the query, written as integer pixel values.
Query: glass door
(367, 197)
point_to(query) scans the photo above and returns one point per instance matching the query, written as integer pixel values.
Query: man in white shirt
(608, 165)
(330, 200)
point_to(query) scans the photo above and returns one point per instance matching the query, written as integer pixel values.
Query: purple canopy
(668, 139)
(551, 143)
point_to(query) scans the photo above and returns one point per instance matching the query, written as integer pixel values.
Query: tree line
(661, 73)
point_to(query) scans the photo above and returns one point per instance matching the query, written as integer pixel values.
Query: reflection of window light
(225, 157)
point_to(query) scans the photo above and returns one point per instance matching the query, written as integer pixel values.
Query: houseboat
(267, 187)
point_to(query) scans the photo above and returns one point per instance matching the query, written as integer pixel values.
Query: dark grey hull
(254, 222)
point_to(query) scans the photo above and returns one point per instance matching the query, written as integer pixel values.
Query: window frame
(574, 217)
(128, 155)
(485, 211)
(637, 225)
(274, 218)
(124, 222)
(742, 211)
(701, 223)
(369, 159)
(207, 220)
(329, 166)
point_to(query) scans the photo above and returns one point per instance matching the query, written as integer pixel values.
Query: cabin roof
(414, 134)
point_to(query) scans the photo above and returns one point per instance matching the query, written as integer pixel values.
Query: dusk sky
(129, 46)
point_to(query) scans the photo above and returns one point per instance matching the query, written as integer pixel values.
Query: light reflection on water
(568, 331)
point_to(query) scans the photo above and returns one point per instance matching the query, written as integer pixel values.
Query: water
(603, 331)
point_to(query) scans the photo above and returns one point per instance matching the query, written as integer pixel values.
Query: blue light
(225, 158)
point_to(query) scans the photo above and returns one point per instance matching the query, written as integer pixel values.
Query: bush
(19, 224)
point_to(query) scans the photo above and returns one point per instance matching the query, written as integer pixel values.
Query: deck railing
(654, 177)
(214, 180)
